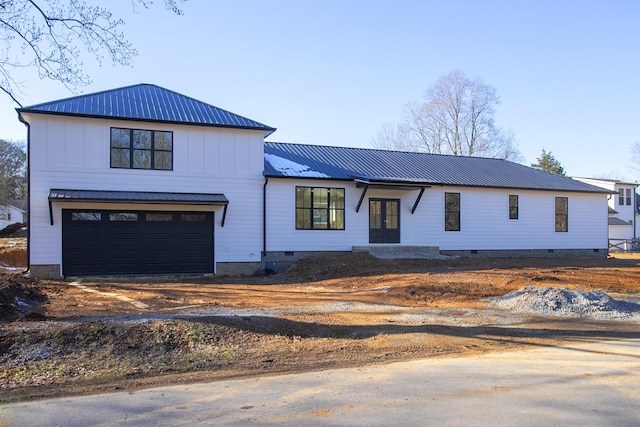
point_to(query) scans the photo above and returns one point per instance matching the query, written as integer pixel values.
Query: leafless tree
(456, 117)
(50, 35)
(635, 156)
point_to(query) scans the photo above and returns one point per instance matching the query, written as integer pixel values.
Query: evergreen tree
(548, 163)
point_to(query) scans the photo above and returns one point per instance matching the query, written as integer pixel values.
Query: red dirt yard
(325, 312)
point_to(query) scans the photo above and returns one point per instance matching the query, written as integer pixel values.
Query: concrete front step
(397, 251)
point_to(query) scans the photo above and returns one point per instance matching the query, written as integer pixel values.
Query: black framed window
(86, 216)
(451, 211)
(562, 214)
(141, 149)
(513, 206)
(319, 208)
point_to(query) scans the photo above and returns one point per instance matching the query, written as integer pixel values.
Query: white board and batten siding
(74, 153)
(484, 216)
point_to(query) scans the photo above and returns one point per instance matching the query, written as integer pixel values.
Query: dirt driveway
(326, 312)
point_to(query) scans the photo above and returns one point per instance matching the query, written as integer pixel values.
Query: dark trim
(458, 185)
(264, 216)
(364, 192)
(135, 197)
(415, 205)
(224, 215)
(130, 119)
(142, 197)
(28, 266)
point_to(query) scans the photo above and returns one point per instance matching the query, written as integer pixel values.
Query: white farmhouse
(13, 212)
(143, 180)
(623, 211)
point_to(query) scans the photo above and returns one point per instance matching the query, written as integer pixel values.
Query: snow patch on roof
(289, 168)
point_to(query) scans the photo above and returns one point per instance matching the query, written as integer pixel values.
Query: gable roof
(146, 102)
(398, 167)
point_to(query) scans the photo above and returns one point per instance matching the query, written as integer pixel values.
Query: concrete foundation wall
(45, 271)
(534, 253)
(238, 268)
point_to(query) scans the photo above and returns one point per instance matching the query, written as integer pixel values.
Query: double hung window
(452, 211)
(513, 206)
(562, 214)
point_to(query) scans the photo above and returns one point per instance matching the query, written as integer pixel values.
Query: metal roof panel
(66, 195)
(146, 102)
(346, 163)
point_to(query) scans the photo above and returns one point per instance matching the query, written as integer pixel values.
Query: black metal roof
(146, 102)
(370, 165)
(59, 195)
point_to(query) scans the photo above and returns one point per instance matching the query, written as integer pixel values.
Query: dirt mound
(19, 298)
(324, 267)
(13, 252)
(14, 230)
(568, 303)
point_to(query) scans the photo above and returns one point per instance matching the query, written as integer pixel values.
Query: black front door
(384, 221)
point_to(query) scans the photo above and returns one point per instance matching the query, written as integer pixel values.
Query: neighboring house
(637, 216)
(143, 180)
(623, 224)
(13, 212)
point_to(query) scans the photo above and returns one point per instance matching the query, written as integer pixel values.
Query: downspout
(264, 217)
(28, 266)
(635, 212)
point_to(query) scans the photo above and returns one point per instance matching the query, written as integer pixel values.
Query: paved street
(580, 385)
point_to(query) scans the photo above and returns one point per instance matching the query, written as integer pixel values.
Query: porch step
(396, 251)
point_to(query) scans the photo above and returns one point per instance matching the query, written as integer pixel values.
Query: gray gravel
(568, 303)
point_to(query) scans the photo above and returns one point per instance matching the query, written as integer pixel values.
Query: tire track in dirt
(120, 297)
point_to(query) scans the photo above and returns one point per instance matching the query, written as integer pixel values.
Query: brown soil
(325, 312)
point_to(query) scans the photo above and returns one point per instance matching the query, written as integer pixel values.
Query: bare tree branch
(457, 117)
(52, 35)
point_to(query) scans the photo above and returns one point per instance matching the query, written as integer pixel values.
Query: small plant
(194, 335)
(94, 330)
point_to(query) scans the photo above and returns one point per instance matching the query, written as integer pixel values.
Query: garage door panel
(137, 242)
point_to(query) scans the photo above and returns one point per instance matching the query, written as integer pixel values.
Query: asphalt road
(580, 385)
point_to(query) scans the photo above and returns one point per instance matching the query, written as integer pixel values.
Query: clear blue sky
(333, 71)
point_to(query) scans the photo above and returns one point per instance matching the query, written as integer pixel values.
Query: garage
(105, 242)
(128, 241)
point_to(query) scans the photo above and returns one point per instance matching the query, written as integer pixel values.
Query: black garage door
(136, 242)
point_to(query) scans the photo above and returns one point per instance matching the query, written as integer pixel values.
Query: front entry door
(384, 221)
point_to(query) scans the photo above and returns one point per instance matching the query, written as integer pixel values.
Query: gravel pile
(568, 303)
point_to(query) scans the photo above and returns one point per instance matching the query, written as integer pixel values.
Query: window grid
(319, 208)
(513, 206)
(141, 149)
(562, 214)
(452, 211)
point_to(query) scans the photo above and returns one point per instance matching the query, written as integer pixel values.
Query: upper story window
(513, 206)
(624, 196)
(451, 211)
(319, 208)
(141, 149)
(562, 214)
(5, 216)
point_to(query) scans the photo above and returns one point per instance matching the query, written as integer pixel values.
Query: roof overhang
(138, 197)
(390, 184)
